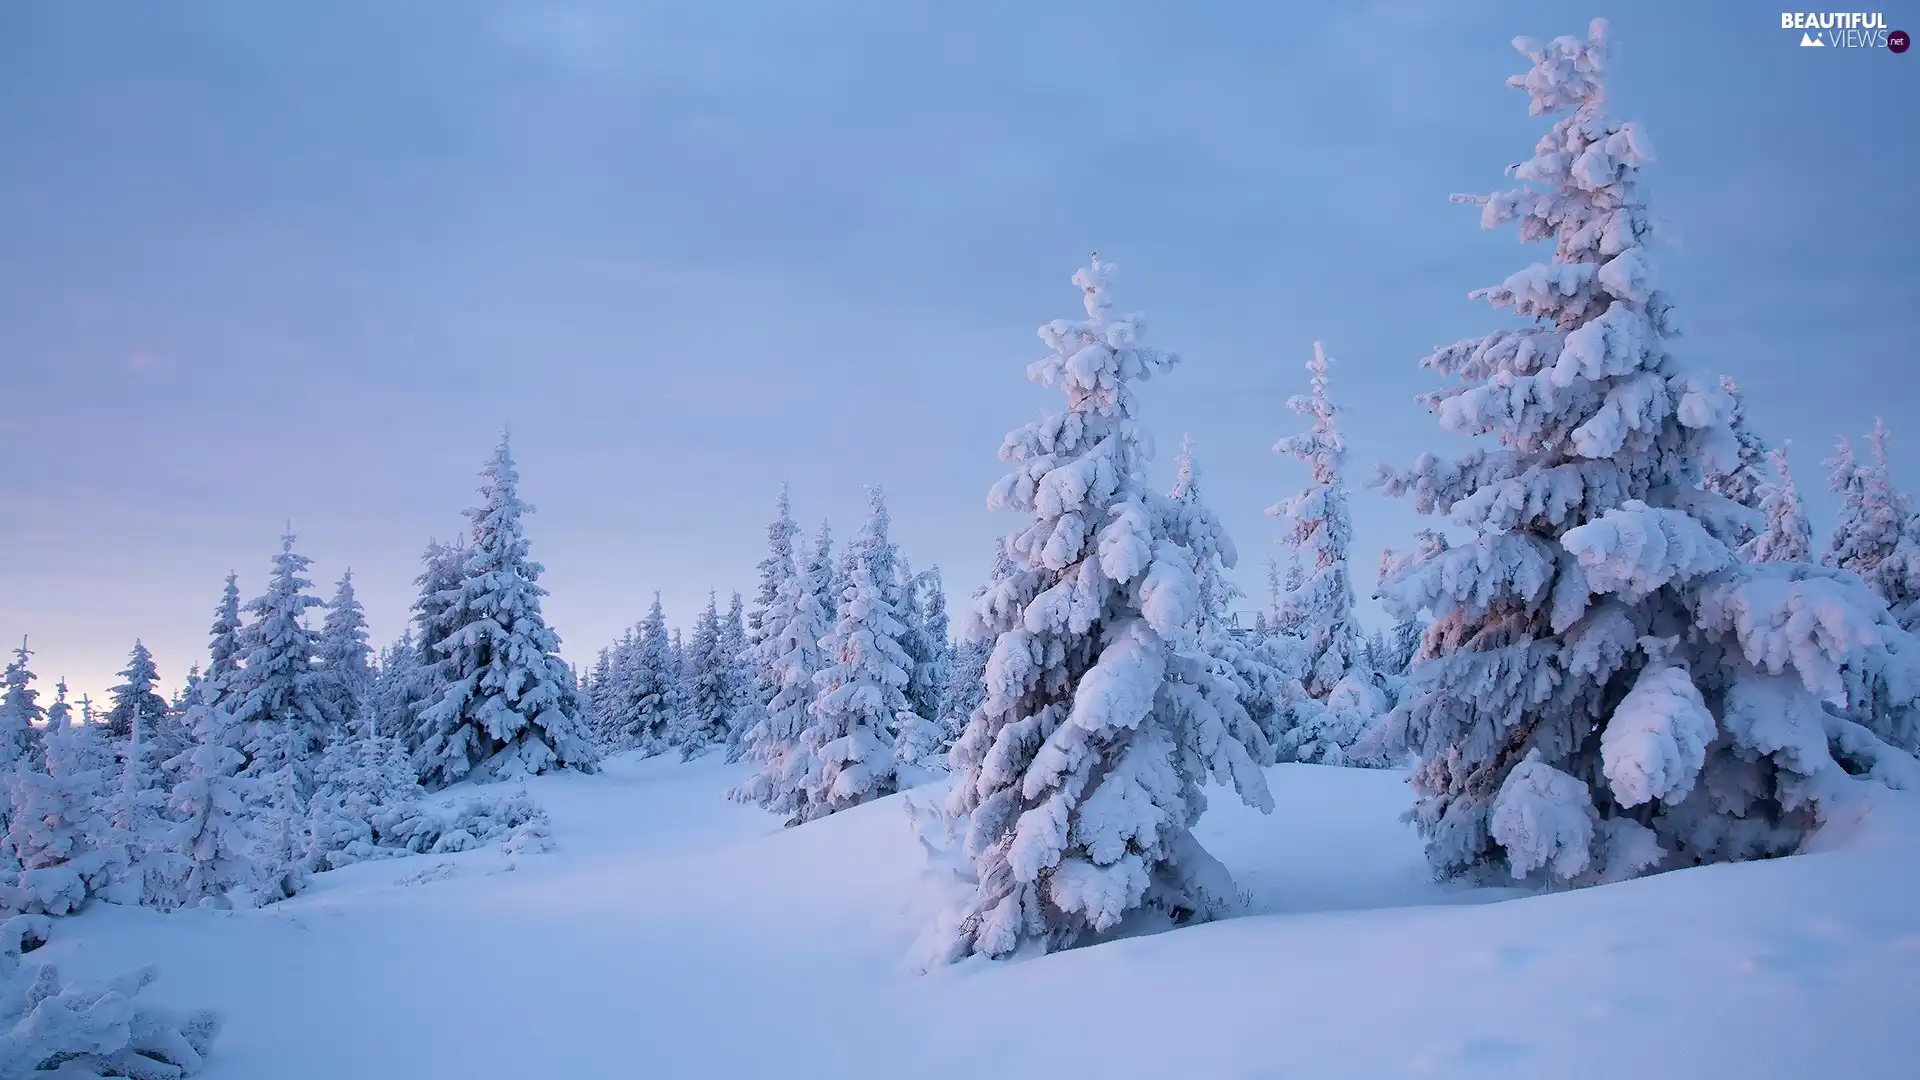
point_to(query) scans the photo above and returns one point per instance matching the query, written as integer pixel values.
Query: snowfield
(673, 934)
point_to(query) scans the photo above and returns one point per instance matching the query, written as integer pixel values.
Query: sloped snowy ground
(672, 934)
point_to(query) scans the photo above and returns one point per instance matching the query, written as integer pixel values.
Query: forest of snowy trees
(1621, 649)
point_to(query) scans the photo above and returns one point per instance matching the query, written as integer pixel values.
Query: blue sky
(270, 262)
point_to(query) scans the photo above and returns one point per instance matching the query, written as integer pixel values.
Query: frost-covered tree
(442, 569)
(1874, 518)
(135, 692)
(1320, 528)
(775, 569)
(1605, 689)
(1787, 537)
(1282, 591)
(276, 697)
(744, 707)
(136, 830)
(793, 627)
(649, 685)
(224, 654)
(395, 673)
(54, 829)
(708, 713)
(932, 729)
(509, 707)
(1743, 482)
(210, 806)
(1080, 773)
(596, 693)
(1217, 593)
(346, 674)
(859, 700)
(966, 679)
(20, 711)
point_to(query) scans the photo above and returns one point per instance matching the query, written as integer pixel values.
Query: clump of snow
(79, 1030)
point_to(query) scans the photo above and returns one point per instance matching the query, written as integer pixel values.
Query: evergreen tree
(1081, 771)
(1874, 519)
(1787, 537)
(395, 676)
(928, 731)
(224, 647)
(135, 827)
(509, 706)
(54, 830)
(1217, 594)
(346, 673)
(707, 718)
(277, 696)
(775, 569)
(1318, 525)
(597, 695)
(793, 628)
(859, 697)
(1744, 482)
(210, 804)
(20, 711)
(442, 569)
(1584, 707)
(744, 704)
(136, 692)
(966, 682)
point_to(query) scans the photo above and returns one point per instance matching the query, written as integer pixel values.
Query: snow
(675, 929)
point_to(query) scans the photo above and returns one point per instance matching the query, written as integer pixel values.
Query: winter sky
(269, 262)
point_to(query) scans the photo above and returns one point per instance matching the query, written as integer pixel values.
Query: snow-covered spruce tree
(967, 679)
(1319, 608)
(1217, 594)
(63, 1030)
(859, 701)
(136, 831)
(209, 836)
(926, 738)
(1741, 483)
(509, 707)
(1787, 538)
(442, 569)
(54, 830)
(744, 706)
(394, 674)
(1265, 692)
(595, 695)
(20, 711)
(1319, 527)
(135, 692)
(1873, 518)
(276, 697)
(703, 720)
(1604, 688)
(346, 674)
(775, 570)
(793, 628)
(1080, 773)
(650, 685)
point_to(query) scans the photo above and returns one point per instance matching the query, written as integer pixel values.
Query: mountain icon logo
(1809, 41)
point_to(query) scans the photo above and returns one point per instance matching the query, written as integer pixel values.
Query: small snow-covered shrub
(88, 1030)
(426, 828)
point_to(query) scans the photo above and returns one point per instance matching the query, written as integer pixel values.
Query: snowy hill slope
(672, 934)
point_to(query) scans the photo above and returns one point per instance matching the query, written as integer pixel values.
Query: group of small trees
(293, 750)
(837, 676)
